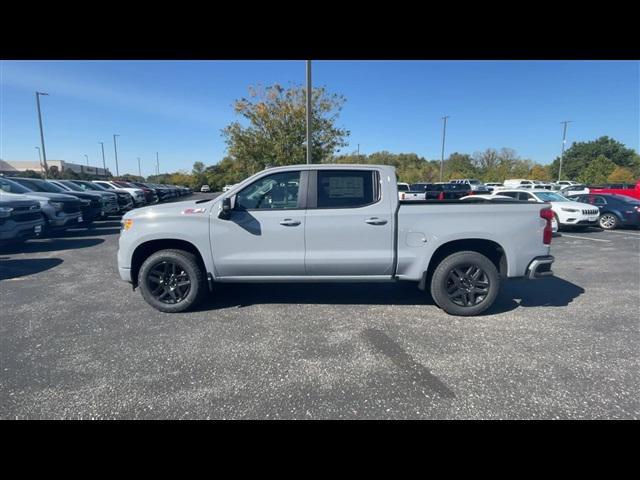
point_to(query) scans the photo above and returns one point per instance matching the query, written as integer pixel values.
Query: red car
(620, 189)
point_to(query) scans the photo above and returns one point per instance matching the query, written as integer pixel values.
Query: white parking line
(623, 232)
(586, 238)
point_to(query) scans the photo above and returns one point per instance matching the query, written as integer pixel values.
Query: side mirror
(225, 209)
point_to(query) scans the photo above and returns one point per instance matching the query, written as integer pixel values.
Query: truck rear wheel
(465, 283)
(171, 281)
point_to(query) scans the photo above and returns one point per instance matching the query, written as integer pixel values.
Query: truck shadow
(553, 291)
(50, 245)
(20, 268)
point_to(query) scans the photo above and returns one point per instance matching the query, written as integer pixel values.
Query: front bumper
(64, 220)
(540, 267)
(12, 230)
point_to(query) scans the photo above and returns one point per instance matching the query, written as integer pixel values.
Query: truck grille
(70, 207)
(589, 211)
(25, 214)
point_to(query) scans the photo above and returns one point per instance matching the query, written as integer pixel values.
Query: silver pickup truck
(332, 223)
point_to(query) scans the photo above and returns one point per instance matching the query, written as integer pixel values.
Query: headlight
(126, 224)
(5, 212)
(571, 210)
(56, 205)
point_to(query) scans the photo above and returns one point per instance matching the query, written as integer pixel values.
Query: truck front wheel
(465, 283)
(171, 280)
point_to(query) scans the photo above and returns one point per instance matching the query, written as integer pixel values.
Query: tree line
(271, 131)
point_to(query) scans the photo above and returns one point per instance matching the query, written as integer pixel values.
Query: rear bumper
(540, 267)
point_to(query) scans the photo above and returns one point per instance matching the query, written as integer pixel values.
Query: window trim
(302, 199)
(313, 189)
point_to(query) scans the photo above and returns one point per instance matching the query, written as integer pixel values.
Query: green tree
(597, 171)
(273, 131)
(581, 154)
(459, 165)
(539, 172)
(621, 175)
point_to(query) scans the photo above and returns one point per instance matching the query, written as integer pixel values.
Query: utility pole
(87, 157)
(115, 149)
(139, 170)
(309, 93)
(157, 165)
(564, 140)
(444, 133)
(44, 153)
(358, 150)
(104, 164)
(39, 156)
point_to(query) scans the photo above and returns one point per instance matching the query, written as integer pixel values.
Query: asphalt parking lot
(76, 342)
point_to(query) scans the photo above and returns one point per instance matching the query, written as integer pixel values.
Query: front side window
(278, 191)
(346, 188)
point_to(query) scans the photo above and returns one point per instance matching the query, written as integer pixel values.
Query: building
(60, 165)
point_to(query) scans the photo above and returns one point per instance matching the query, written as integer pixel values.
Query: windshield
(40, 186)
(474, 182)
(551, 197)
(89, 186)
(401, 187)
(70, 185)
(12, 187)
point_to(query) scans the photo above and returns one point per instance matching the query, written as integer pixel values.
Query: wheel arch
(148, 248)
(489, 248)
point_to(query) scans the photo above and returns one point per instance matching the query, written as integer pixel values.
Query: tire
(608, 221)
(163, 273)
(469, 263)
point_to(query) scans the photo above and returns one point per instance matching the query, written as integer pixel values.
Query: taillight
(547, 214)
(402, 196)
(472, 192)
(441, 196)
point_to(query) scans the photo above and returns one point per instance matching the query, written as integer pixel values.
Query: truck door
(265, 234)
(349, 225)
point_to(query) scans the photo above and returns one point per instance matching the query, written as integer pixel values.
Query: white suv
(565, 211)
(136, 193)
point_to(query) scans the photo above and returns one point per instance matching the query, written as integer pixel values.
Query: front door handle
(375, 221)
(287, 222)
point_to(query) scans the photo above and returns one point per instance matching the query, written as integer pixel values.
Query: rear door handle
(287, 222)
(375, 221)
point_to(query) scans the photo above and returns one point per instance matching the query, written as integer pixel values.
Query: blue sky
(178, 108)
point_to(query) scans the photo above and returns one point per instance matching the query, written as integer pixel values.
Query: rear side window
(346, 188)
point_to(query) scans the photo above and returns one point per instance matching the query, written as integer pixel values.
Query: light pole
(139, 170)
(444, 133)
(39, 156)
(157, 165)
(115, 149)
(104, 164)
(564, 139)
(44, 153)
(358, 150)
(309, 93)
(87, 157)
